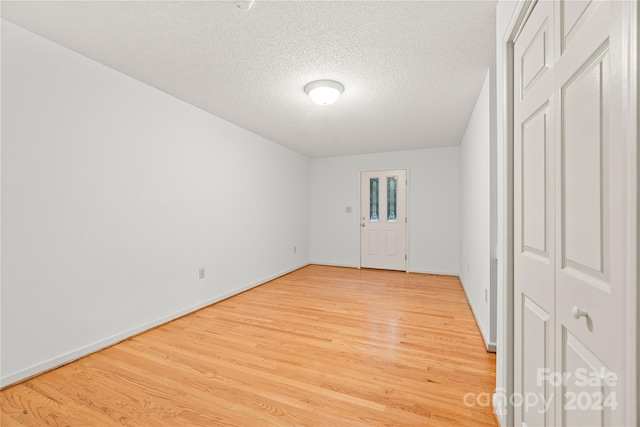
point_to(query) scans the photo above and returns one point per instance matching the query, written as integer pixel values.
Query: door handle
(577, 312)
(363, 224)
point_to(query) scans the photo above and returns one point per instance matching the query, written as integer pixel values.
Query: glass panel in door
(392, 186)
(373, 200)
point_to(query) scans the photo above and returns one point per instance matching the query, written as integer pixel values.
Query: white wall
(434, 207)
(476, 260)
(114, 194)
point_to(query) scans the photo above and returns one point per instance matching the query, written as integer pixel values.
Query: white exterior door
(383, 219)
(570, 229)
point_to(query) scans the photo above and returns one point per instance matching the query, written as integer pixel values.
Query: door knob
(363, 224)
(578, 312)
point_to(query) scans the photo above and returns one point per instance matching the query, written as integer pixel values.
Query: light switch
(348, 209)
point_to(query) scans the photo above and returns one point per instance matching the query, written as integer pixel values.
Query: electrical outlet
(486, 295)
(295, 249)
(201, 273)
(348, 209)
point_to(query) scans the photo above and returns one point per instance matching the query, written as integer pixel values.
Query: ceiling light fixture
(244, 5)
(324, 92)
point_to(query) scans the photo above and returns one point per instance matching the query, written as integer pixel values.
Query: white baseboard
(489, 345)
(499, 410)
(437, 272)
(63, 359)
(410, 270)
(331, 264)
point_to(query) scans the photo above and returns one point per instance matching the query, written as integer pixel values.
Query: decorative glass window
(392, 186)
(373, 199)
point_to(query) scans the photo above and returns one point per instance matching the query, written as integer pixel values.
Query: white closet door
(590, 216)
(534, 246)
(570, 235)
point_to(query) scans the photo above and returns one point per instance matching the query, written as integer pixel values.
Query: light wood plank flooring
(322, 346)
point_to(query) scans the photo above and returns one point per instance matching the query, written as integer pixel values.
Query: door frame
(407, 204)
(629, 31)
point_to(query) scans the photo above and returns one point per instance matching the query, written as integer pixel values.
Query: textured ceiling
(411, 69)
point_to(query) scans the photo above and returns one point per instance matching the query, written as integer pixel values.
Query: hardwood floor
(322, 346)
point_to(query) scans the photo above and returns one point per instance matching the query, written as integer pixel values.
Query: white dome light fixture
(244, 5)
(324, 92)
